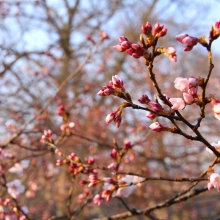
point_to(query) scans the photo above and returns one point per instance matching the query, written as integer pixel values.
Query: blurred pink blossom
(214, 181)
(15, 188)
(178, 103)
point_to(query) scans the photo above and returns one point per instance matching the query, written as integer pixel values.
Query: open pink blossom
(178, 103)
(214, 181)
(181, 84)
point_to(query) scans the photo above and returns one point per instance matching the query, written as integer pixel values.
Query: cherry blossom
(170, 52)
(178, 103)
(189, 99)
(19, 167)
(188, 40)
(181, 84)
(156, 126)
(127, 191)
(214, 181)
(15, 188)
(98, 199)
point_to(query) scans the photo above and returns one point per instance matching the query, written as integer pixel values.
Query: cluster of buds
(114, 87)
(11, 212)
(134, 50)
(152, 33)
(138, 50)
(114, 116)
(189, 41)
(189, 87)
(155, 106)
(47, 136)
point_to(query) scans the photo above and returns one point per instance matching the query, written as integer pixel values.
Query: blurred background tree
(44, 42)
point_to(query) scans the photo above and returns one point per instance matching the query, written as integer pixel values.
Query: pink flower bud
(156, 126)
(118, 48)
(193, 90)
(146, 29)
(136, 55)
(110, 117)
(151, 115)
(188, 40)
(155, 106)
(118, 120)
(162, 33)
(178, 103)
(180, 37)
(117, 82)
(91, 160)
(127, 144)
(103, 35)
(136, 46)
(170, 52)
(125, 45)
(60, 110)
(157, 28)
(144, 99)
(122, 38)
(130, 51)
(189, 99)
(193, 81)
(72, 156)
(217, 24)
(114, 153)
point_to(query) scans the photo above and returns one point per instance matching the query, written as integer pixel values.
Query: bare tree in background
(55, 57)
